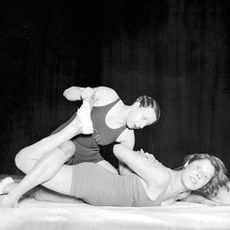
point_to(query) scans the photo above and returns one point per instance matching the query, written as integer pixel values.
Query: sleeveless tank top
(97, 186)
(140, 197)
(103, 134)
(88, 146)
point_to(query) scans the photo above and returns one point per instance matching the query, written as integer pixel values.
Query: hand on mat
(210, 202)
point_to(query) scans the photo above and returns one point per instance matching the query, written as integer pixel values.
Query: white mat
(35, 215)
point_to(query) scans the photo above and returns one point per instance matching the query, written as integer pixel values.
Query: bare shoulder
(157, 183)
(160, 176)
(106, 91)
(104, 95)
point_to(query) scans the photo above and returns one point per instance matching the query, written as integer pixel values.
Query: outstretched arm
(127, 139)
(156, 175)
(194, 198)
(221, 198)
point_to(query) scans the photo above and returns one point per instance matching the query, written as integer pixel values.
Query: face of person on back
(139, 117)
(197, 174)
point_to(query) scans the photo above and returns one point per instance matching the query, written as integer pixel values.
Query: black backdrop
(176, 51)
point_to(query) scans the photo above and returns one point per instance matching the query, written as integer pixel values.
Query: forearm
(124, 154)
(153, 174)
(129, 160)
(124, 169)
(194, 198)
(100, 95)
(120, 151)
(73, 93)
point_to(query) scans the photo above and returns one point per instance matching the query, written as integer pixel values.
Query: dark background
(174, 50)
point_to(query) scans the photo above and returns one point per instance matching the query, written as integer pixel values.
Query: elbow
(66, 92)
(118, 149)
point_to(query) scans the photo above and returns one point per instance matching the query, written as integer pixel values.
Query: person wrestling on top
(149, 184)
(113, 121)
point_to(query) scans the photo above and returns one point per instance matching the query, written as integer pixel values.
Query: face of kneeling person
(140, 117)
(197, 174)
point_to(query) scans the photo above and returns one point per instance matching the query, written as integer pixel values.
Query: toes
(4, 182)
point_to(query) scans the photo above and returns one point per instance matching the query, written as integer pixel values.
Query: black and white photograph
(115, 115)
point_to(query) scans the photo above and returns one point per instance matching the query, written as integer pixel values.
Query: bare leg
(37, 150)
(44, 194)
(46, 167)
(105, 164)
(60, 183)
(41, 193)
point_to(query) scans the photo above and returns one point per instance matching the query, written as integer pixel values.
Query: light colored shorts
(97, 186)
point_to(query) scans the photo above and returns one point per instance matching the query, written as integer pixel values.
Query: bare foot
(6, 181)
(7, 202)
(83, 114)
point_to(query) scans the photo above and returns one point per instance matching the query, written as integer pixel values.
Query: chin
(193, 187)
(188, 185)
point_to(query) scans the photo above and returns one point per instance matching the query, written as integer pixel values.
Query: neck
(177, 185)
(122, 113)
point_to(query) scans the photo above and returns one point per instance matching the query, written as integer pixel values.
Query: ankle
(5, 185)
(12, 198)
(77, 124)
(7, 201)
(8, 187)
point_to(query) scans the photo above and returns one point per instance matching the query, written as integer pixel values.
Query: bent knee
(68, 148)
(20, 160)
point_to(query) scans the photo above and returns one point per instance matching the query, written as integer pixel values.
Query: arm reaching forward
(152, 174)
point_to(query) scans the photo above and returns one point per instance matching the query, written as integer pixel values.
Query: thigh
(62, 181)
(105, 164)
(44, 194)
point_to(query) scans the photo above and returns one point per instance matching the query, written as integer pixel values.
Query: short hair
(147, 101)
(219, 178)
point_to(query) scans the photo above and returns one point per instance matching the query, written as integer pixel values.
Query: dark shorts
(97, 186)
(82, 153)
